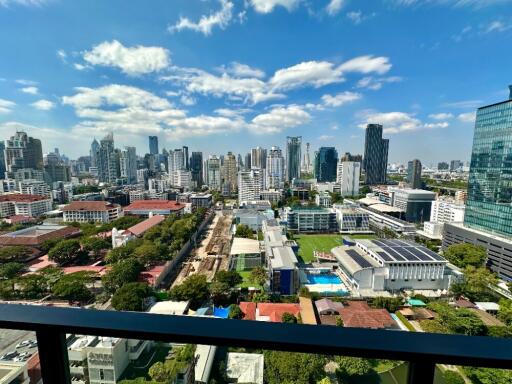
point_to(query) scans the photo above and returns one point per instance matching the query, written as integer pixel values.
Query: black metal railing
(422, 350)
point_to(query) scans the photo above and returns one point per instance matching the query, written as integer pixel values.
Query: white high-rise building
(275, 169)
(348, 177)
(176, 160)
(34, 187)
(258, 158)
(444, 211)
(128, 164)
(250, 185)
(182, 178)
(213, 173)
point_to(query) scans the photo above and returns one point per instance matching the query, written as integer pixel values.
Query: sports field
(310, 243)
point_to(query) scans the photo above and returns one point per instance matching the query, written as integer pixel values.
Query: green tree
(243, 230)
(14, 253)
(476, 283)
(158, 372)
(123, 252)
(453, 377)
(391, 304)
(11, 270)
(488, 375)
(131, 296)
(339, 321)
(219, 291)
(65, 252)
(325, 380)
(230, 278)
(193, 288)
(235, 312)
(258, 276)
(148, 254)
(49, 244)
(95, 245)
(336, 198)
(73, 287)
(505, 311)
(297, 368)
(125, 271)
(463, 255)
(288, 318)
(32, 286)
(349, 367)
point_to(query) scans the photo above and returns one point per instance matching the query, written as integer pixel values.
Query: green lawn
(310, 243)
(246, 283)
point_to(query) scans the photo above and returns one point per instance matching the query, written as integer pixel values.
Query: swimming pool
(324, 278)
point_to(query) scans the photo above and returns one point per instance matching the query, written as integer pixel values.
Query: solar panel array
(363, 263)
(399, 250)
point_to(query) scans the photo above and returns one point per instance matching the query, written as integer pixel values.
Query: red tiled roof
(89, 206)
(359, 315)
(9, 240)
(100, 270)
(40, 263)
(151, 275)
(155, 204)
(15, 219)
(249, 310)
(139, 229)
(22, 198)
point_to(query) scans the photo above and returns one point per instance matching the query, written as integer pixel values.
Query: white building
(96, 211)
(444, 211)
(24, 205)
(7, 185)
(275, 169)
(213, 173)
(432, 229)
(34, 187)
(250, 185)
(158, 185)
(181, 178)
(128, 164)
(176, 160)
(13, 372)
(348, 175)
(352, 219)
(392, 265)
(245, 368)
(323, 200)
(272, 195)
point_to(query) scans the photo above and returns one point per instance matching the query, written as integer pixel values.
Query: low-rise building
(14, 372)
(252, 217)
(416, 203)
(121, 237)
(432, 230)
(91, 211)
(245, 368)
(323, 199)
(445, 211)
(36, 235)
(156, 207)
(272, 195)
(25, 205)
(245, 254)
(201, 200)
(352, 219)
(310, 219)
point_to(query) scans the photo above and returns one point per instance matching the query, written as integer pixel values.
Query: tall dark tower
(375, 160)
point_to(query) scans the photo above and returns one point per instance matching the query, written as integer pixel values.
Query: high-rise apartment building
(306, 165)
(196, 168)
(455, 165)
(258, 158)
(128, 164)
(414, 173)
(186, 159)
(375, 155)
(2, 159)
(326, 162)
(93, 152)
(106, 160)
(176, 160)
(250, 185)
(347, 156)
(153, 145)
(213, 173)
(349, 173)
(275, 169)
(489, 202)
(445, 211)
(247, 162)
(443, 166)
(229, 173)
(22, 152)
(293, 156)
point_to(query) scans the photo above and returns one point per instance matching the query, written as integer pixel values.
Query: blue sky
(228, 75)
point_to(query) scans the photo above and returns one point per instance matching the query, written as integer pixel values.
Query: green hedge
(405, 321)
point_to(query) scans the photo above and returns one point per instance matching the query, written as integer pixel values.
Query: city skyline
(187, 75)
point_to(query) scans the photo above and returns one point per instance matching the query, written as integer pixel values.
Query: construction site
(213, 253)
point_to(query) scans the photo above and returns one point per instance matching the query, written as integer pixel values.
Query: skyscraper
(258, 158)
(186, 159)
(489, 202)
(229, 173)
(176, 160)
(247, 162)
(128, 164)
(293, 156)
(275, 169)
(23, 152)
(414, 174)
(196, 168)
(350, 172)
(95, 147)
(455, 165)
(375, 155)
(326, 162)
(153, 145)
(213, 172)
(106, 160)
(2, 159)
(250, 185)
(306, 166)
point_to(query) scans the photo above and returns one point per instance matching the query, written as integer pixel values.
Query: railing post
(53, 357)
(421, 372)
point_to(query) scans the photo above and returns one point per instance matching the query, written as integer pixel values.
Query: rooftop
(22, 198)
(359, 315)
(89, 206)
(140, 228)
(35, 235)
(244, 246)
(284, 257)
(170, 307)
(245, 367)
(399, 250)
(155, 204)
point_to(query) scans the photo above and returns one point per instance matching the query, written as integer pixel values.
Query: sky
(229, 75)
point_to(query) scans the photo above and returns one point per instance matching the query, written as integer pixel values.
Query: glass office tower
(293, 157)
(375, 160)
(489, 203)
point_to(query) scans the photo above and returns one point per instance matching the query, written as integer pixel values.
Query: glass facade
(326, 163)
(375, 160)
(489, 204)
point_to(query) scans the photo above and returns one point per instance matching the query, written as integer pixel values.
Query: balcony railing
(422, 350)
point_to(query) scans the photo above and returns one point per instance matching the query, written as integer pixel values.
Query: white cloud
(396, 122)
(226, 112)
(6, 106)
(367, 64)
(443, 124)
(468, 117)
(62, 55)
(133, 61)
(464, 104)
(355, 16)
(375, 84)
(43, 105)
(325, 137)
(26, 3)
(278, 119)
(334, 6)
(205, 25)
(267, 6)
(26, 82)
(453, 3)
(81, 67)
(315, 73)
(340, 99)
(441, 116)
(243, 70)
(497, 26)
(30, 90)
(187, 100)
